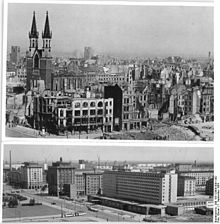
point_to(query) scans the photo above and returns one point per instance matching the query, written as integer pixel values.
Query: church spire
(47, 34)
(33, 33)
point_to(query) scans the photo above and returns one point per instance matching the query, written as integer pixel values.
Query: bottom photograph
(48, 183)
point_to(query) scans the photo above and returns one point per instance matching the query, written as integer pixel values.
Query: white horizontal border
(128, 3)
(104, 142)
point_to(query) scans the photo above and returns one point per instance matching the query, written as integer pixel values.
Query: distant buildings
(88, 53)
(155, 188)
(201, 177)
(15, 55)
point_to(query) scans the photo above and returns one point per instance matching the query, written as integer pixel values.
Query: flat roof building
(186, 186)
(155, 188)
(31, 176)
(209, 188)
(201, 177)
(60, 174)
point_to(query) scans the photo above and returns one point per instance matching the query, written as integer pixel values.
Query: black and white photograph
(102, 71)
(107, 111)
(44, 183)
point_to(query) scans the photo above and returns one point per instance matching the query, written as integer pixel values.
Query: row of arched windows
(85, 104)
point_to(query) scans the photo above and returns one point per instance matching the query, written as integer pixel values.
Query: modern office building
(14, 178)
(31, 176)
(149, 187)
(186, 186)
(93, 183)
(201, 177)
(60, 174)
(209, 188)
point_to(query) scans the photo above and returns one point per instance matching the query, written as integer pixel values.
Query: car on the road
(93, 209)
(80, 213)
(69, 215)
(53, 203)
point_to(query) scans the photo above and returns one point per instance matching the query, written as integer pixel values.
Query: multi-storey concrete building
(186, 186)
(80, 184)
(60, 174)
(31, 176)
(93, 183)
(201, 177)
(155, 188)
(209, 187)
(86, 182)
(14, 178)
(183, 167)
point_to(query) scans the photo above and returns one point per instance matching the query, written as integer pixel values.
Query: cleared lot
(28, 211)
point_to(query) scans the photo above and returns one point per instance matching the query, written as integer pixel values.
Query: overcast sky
(111, 153)
(120, 30)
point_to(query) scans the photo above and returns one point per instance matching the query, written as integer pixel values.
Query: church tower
(39, 61)
(46, 59)
(33, 36)
(46, 36)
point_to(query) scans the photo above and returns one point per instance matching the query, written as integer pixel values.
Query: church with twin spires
(39, 60)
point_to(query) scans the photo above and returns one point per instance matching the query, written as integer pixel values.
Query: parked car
(80, 213)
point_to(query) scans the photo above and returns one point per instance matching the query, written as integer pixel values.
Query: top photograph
(122, 72)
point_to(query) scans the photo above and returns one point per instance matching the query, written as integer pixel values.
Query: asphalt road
(13, 132)
(104, 213)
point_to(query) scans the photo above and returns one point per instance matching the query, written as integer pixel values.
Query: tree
(13, 202)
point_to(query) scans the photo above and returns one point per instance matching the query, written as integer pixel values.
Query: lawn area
(29, 211)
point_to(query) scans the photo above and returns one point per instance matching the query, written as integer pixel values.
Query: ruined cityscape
(106, 97)
(107, 190)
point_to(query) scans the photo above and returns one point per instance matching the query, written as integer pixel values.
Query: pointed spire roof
(47, 33)
(33, 33)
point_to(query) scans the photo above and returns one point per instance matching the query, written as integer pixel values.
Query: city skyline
(109, 153)
(144, 33)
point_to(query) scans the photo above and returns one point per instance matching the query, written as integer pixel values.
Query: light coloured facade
(93, 183)
(87, 114)
(32, 176)
(201, 177)
(155, 188)
(186, 186)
